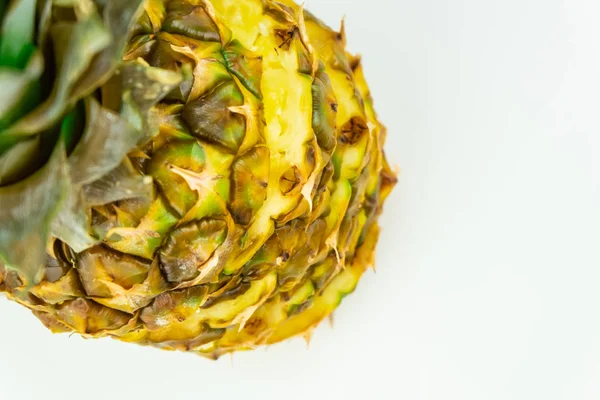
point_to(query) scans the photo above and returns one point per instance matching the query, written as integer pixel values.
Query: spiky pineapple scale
(268, 179)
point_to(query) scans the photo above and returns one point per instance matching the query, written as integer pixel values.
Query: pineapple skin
(264, 178)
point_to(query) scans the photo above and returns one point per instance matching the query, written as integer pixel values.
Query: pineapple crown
(63, 135)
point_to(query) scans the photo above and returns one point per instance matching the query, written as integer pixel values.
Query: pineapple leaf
(118, 17)
(119, 184)
(106, 141)
(27, 209)
(143, 88)
(20, 90)
(71, 223)
(43, 23)
(3, 6)
(16, 161)
(16, 36)
(75, 45)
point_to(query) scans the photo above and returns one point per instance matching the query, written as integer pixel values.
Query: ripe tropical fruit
(197, 175)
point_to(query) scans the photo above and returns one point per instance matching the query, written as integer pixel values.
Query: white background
(488, 282)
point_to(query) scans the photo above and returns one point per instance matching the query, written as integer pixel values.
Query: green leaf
(143, 87)
(76, 44)
(3, 5)
(106, 141)
(43, 23)
(72, 125)
(71, 223)
(17, 161)
(20, 90)
(16, 36)
(118, 18)
(27, 209)
(119, 184)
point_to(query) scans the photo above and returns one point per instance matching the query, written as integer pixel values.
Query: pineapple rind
(266, 177)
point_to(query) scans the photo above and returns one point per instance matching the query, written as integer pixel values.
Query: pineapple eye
(290, 181)
(353, 131)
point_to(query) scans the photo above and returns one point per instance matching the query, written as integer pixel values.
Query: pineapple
(194, 175)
